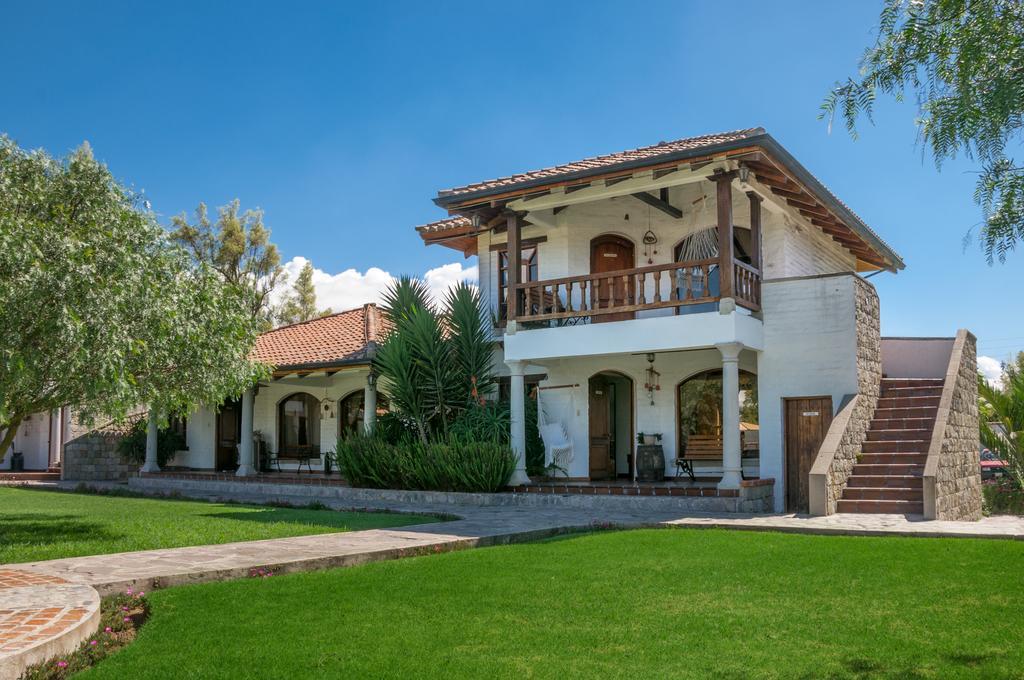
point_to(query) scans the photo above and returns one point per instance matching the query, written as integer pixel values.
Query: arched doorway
(611, 425)
(351, 412)
(610, 253)
(298, 425)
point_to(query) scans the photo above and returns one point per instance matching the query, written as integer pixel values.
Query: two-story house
(710, 292)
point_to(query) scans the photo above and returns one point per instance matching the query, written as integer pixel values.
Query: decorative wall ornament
(326, 409)
(652, 383)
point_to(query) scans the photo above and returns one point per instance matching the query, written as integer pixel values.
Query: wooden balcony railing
(676, 284)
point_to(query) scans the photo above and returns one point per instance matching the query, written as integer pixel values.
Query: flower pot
(650, 440)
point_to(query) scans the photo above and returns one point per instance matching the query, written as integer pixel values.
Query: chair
(557, 446)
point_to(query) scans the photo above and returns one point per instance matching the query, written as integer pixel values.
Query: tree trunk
(9, 434)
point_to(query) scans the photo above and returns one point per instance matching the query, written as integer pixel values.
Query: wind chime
(650, 240)
(653, 381)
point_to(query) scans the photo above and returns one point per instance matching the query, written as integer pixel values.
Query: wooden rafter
(659, 203)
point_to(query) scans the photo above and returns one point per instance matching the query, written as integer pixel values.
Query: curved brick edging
(42, 616)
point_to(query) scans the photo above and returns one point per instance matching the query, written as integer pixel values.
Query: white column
(731, 457)
(518, 418)
(54, 453)
(370, 403)
(151, 464)
(245, 462)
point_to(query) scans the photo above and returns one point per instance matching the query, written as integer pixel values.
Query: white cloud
(352, 288)
(992, 369)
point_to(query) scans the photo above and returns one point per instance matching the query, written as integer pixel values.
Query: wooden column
(515, 263)
(755, 229)
(723, 199)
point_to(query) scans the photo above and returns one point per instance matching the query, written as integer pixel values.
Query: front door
(602, 428)
(807, 421)
(229, 426)
(610, 254)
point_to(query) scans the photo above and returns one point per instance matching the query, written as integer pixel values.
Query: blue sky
(342, 121)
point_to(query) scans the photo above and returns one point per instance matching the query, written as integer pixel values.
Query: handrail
(625, 291)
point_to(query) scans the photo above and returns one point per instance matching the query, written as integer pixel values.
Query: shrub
(133, 446)
(1003, 497)
(489, 422)
(453, 465)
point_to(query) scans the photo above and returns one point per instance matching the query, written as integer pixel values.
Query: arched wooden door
(608, 254)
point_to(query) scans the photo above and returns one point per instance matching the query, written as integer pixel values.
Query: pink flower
(62, 664)
(108, 629)
(127, 619)
(92, 643)
(129, 591)
(141, 594)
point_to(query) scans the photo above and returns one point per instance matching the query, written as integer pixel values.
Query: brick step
(911, 391)
(912, 382)
(892, 458)
(883, 493)
(877, 481)
(907, 402)
(902, 424)
(888, 507)
(887, 469)
(896, 446)
(928, 412)
(882, 435)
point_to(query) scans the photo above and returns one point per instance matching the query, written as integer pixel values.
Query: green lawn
(43, 525)
(655, 603)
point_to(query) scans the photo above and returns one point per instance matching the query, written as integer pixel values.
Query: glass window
(529, 272)
(350, 412)
(299, 418)
(700, 405)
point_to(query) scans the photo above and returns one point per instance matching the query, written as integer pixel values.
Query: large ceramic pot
(650, 463)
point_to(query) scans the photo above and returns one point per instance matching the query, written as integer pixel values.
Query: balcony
(619, 295)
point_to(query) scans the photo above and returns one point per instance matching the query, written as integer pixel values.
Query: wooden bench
(709, 447)
(299, 454)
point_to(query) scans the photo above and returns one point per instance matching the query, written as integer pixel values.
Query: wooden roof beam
(661, 204)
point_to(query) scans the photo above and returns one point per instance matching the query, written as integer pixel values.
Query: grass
(653, 603)
(43, 525)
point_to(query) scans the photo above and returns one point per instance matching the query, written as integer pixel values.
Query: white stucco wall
(32, 440)
(916, 357)
(810, 350)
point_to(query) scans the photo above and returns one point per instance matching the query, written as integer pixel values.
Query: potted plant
(648, 439)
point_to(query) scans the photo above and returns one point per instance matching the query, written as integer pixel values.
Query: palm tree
(1002, 416)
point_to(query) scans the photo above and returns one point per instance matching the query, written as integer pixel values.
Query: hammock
(558, 449)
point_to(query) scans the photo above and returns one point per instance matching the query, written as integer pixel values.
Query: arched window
(699, 400)
(350, 412)
(298, 418)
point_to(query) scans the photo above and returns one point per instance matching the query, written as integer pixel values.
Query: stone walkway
(42, 616)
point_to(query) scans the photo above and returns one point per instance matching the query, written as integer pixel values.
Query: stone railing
(952, 472)
(838, 452)
(93, 456)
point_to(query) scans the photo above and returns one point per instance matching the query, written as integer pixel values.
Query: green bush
(132, 446)
(489, 422)
(1003, 497)
(453, 465)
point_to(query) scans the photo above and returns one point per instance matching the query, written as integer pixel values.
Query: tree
(964, 60)
(238, 247)
(435, 364)
(300, 305)
(98, 308)
(1002, 416)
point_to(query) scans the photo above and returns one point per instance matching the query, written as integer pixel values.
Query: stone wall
(94, 457)
(838, 453)
(952, 474)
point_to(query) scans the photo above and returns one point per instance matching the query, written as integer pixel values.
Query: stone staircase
(887, 477)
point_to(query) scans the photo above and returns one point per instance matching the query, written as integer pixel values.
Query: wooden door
(602, 422)
(609, 254)
(229, 427)
(807, 421)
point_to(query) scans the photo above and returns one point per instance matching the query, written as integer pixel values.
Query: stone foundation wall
(952, 473)
(838, 453)
(94, 457)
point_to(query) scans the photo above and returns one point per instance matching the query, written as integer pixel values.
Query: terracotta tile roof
(644, 153)
(447, 224)
(341, 338)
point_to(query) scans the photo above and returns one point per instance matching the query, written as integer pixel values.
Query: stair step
(876, 481)
(883, 493)
(896, 446)
(902, 424)
(889, 507)
(888, 435)
(911, 391)
(912, 382)
(886, 469)
(892, 458)
(894, 413)
(907, 402)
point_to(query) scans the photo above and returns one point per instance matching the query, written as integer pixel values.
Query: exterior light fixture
(744, 174)
(371, 379)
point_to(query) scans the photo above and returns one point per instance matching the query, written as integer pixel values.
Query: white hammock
(558, 449)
